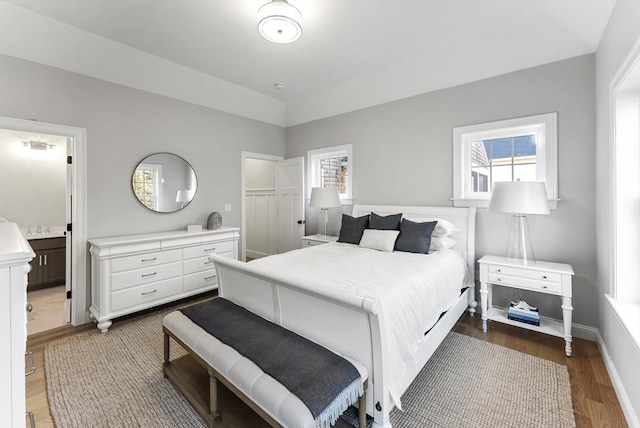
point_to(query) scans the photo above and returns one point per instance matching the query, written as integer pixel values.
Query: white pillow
(439, 243)
(443, 228)
(381, 240)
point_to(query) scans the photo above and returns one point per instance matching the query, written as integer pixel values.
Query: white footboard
(348, 325)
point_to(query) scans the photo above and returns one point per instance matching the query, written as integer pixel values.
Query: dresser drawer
(203, 250)
(194, 281)
(137, 277)
(144, 294)
(525, 283)
(143, 260)
(196, 265)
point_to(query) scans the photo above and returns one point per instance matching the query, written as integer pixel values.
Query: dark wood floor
(594, 400)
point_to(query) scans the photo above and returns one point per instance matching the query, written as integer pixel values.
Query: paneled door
(290, 201)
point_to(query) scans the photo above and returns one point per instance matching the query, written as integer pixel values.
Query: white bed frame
(349, 325)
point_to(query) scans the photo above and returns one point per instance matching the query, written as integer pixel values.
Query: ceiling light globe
(279, 22)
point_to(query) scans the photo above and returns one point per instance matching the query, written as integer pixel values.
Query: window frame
(156, 170)
(545, 126)
(313, 167)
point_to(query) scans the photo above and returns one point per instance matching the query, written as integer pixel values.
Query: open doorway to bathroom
(33, 194)
(43, 190)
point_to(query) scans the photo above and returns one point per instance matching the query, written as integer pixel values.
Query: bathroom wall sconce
(38, 145)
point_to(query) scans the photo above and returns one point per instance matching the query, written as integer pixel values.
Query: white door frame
(79, 313)
(243, 192)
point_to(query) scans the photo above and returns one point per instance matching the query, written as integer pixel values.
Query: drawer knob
(149, 292)
(149, 260)
(499, 279)
(544, 276)
(145, 275)
(544, 286)
(499, 270)
(208, 263)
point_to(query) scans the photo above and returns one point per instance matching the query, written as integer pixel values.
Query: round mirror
(164, 182)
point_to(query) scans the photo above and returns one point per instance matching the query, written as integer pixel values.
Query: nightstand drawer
(310, 243)
(543, 285)
(526, 273)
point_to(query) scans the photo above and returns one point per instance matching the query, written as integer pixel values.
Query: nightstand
(542, 277)
(311, 240)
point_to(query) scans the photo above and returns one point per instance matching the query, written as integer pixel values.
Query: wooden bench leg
(166, 353)
(362, 408)
(213, 398)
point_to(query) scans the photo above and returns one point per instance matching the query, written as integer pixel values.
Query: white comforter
(413, 289)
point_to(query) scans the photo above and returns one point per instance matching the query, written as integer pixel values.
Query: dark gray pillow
(390, 222)
(415, 237)
(352, 228)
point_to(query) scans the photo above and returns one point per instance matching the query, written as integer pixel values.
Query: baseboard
(625, 403)
(584, 332)
(255, 254)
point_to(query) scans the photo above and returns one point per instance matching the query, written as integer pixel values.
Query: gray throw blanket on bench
(327, 383)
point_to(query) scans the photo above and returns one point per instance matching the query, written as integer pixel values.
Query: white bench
(265, 395)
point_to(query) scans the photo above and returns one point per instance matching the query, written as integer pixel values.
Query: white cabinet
(15, 255)
(132, 273)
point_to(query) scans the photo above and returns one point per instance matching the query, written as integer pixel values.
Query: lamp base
(519, 244)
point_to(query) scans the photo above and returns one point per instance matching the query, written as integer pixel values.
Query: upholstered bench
(260, 391)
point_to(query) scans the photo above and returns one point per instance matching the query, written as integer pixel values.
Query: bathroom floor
(48, 309)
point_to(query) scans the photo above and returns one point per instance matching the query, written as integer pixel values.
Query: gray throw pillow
(415, 237)
(389, 222)
(352, 228)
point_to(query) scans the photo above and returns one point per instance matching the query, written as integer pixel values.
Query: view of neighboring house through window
(332, 167)
(502, 159)
(522, 149)
(334, 172)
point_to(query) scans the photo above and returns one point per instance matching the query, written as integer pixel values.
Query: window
(508, 150)
(332, 167)
(145, 182)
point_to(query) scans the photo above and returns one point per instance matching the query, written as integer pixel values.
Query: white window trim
(313, 157)
(546, 128)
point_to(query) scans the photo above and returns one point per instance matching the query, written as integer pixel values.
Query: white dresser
(15, 255)
(132, 273)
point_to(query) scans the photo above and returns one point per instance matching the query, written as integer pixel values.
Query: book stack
(522, 312)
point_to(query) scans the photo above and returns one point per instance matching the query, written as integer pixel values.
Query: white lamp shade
(519, 197)
(324, 197)
(182, 196)
(279, 22)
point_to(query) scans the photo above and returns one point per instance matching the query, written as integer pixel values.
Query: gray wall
(125, 125)
(414, 136)
(618, 40)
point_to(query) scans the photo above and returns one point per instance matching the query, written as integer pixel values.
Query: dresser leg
(103, 326)
(567, 311)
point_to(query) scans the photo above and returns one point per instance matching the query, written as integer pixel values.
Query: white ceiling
(352, 54)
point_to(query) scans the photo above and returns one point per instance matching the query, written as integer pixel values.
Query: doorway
(259, 212)
(43, 191)
(272, 212)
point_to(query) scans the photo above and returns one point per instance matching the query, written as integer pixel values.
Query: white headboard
(463, 218)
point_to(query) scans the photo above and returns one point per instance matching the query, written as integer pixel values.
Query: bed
(356, 323)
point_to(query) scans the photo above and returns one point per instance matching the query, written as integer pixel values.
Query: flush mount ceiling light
(279, 22)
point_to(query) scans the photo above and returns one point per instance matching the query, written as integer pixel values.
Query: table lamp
(325, 198)
(519, 198)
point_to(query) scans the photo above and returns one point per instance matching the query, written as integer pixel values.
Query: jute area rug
(115, 380)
